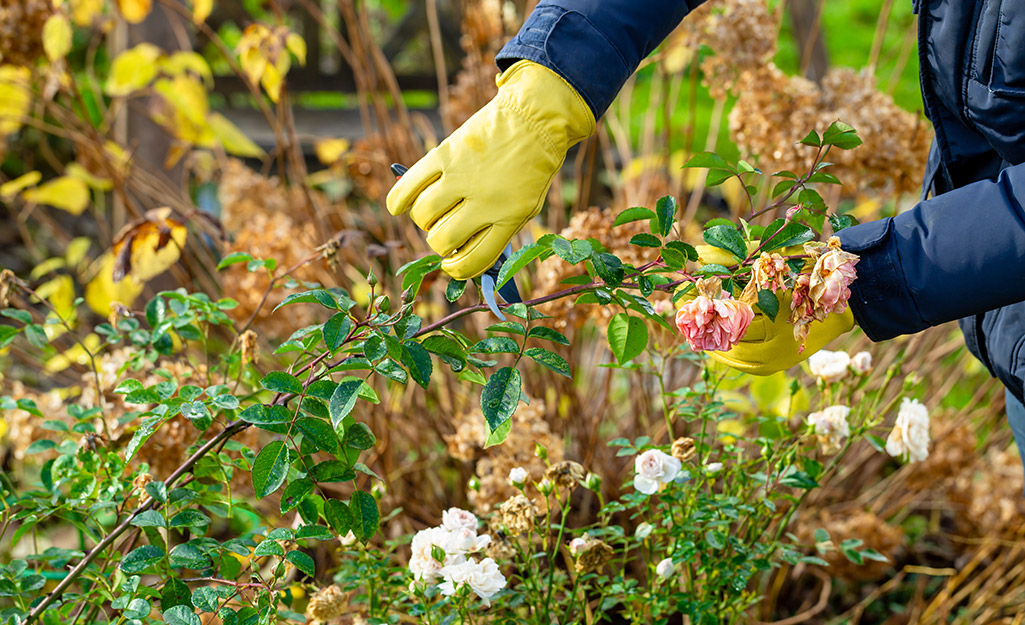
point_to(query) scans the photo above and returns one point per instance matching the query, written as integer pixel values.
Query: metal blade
(487, 287)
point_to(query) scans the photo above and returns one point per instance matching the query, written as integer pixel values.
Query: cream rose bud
(348, 540)
(713, 467)
(518, 476)
(861, 363)
(643, 531)
(654, 468)
(456, 518)
(577, 546)
(665, 568)
(910, 434)
(830, 366)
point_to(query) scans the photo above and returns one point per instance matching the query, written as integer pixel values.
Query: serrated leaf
(188, 556)
(644, 239)
(141, 559)
(665, 210)
(365, 515)
(338, 516)
(332, 471)
(768, 303)
(268, 547)
(500, 396)
(205, 598)
(294, 494)
(548, 334)
(418, 361)
(181, 615)
(359, 436)
(839, 222)
(190, 518)
(726, 238)
(520, 259)
(627, 336)
(281, 382)
(790, 234)
(302, 561)
(270, 468)
(455, 290)
(572, 252)
(498, 435)
(319, 433)
(149, 518)
(336, 330)
(343, 400)
(550, 360)
(496, 345)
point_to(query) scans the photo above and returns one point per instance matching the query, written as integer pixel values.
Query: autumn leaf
(330, 151)
(57, 36)
(12, 188)
(101, 291)
(132, 70)
(232, 139)
(66, 193)
(297, 46)
(84, 12)
(74, 355)
(60, 292)
(15, 97)
(187, 61)
(75, 170)
(147, 247)
(201, 10)
(134, 11)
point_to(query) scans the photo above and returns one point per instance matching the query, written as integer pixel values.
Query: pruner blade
(489, 279)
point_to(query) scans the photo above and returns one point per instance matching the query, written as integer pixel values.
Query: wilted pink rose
(831, 277)
(769, 272)
(713, 320)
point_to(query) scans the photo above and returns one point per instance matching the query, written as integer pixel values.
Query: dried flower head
(8, 282)
(825, 290)
(713, 320)
(250, 350)
(517, 515)
(21, 30)
(831, 427)
(769, 272)
(328, 603)
(684, 448)
(593, 555)
(565, 474)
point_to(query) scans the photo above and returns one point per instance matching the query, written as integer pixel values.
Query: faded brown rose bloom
(684, 448)
(594, 555)
(329, 603)
(565, 474)
(517, 515)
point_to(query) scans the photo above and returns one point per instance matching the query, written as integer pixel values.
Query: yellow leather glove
(769, 346)
(474, 192)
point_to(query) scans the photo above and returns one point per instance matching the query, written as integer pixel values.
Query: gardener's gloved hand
(769, 346)
(475, 191)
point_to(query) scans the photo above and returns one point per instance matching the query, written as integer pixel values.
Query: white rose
(654, 468)
(422, 564)
(861, 363)
(665, 568)
(831, 427)
(456, 518)
(464, 541)
(713, 467)
(910, 434)
(348, 540)
(483, 578)
(643, 531)
(518, 476)
(830, 366)
(577, 546)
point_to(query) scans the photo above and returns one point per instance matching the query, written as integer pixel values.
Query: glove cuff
(554, 108)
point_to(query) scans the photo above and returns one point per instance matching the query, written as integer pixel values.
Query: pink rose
(769, 272)
(830, 278)
(713, 320)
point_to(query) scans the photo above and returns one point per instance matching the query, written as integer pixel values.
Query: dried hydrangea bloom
(565, 474)
(713, 320)
(518, 515)
(831, 427)
(684, 448)
(910, 435)
(829, 366)
(593, 555)
(327, 604)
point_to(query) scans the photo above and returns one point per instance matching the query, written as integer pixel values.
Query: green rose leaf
(365, 516)
(500, 396)
(281, 382)
(270, 468)
(628, 336)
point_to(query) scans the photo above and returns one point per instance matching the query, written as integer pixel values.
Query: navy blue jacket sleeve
(594, 44)
(958, 254)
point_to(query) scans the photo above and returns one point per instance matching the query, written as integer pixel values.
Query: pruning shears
(489, 279)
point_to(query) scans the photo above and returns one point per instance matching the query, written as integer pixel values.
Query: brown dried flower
(21, 30)
(249, 348)
(684, 448)
(517, 515)
(328, 603)
(565, 474)
(8, 282)
(593, 555)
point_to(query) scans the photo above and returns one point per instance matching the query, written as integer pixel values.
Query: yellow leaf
(84, 12)
(253, 63)
(15, 97)
(134, 11)
(77, 171)
(66, 193)
(60, 292)
(330, 151)
(76, 250)
(74, 355)
(297, 46)
(187, 96)
(182, 62)
(13, 187)
(118, 157)
(232, 139)
(57, 36)
(274, 77)
(132, 70)
(101, 292)
(45, 267)
(201, 10)
(149, 247)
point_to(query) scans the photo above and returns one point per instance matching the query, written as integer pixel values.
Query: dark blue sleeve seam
(905, 287)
